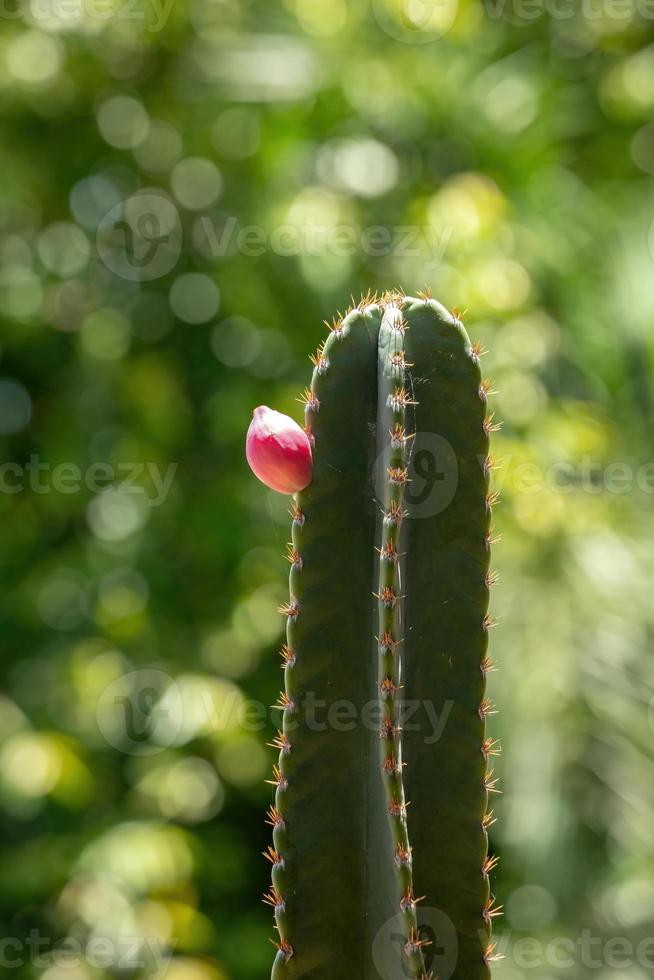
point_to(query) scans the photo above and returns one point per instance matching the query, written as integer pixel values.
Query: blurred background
(188, 189)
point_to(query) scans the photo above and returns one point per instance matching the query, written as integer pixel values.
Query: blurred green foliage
(502, 154)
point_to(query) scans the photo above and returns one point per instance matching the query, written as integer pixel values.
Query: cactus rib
(391, 433)
(445, 649)
(328, 661)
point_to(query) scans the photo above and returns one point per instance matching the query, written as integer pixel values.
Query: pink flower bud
(278, 451)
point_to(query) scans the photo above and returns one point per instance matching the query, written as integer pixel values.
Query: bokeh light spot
(34, 58)
(194, 297)
(365, 167)
(242, 761)
(115, 514)
(160, 149)
(123, 122)
(236, 342)
(196, 183)
(236, 134)
(63, 249)
(105, 334)
(15, 406)
(30, 764)
(62, 601)
(21, 293)
(91, 198)
(322, 18)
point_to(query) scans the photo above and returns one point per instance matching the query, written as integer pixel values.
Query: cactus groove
(382, 782)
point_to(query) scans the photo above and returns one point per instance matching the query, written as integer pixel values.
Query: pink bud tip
(278, 451)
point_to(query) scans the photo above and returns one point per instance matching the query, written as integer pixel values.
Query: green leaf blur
(188, 190)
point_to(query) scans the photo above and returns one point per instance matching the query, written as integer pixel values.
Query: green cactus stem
(387, 619)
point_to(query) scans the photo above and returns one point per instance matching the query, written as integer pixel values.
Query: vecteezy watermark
(142, 712)
(141, 238)
(319, 715)
(125, 953)
(415, 21)
(41, 477)
(587, 950)
(153, 14)
(132, 715)
(434, 927)
(432, 477)
(315, 238)
(585, 475)
(426, 21)
(527, 11)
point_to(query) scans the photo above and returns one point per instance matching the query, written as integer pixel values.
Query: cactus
(387, 629)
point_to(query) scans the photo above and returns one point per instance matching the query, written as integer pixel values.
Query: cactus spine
(386, 613)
